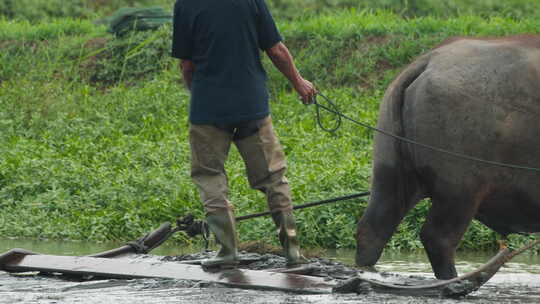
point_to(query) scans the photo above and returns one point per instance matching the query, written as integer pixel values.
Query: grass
(94, 128)
(37, 10)
(516, 9)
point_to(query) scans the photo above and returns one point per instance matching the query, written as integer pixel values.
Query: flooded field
(517, 282)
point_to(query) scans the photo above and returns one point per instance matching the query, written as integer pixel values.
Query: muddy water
(518, 282)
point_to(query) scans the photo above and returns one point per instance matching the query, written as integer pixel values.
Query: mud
(317, 266)
(50, 290)
(517, 283)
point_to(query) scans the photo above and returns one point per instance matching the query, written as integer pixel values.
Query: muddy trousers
(262, 154)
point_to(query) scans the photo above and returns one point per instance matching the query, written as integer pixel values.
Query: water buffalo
(478, 97)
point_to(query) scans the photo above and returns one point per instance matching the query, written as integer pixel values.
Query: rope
(193, 227)
(335, 110)
(410, 141)
(308, 205)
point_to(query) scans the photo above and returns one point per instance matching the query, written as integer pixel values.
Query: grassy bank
(94, 128)
(35, 10)
(412, 8)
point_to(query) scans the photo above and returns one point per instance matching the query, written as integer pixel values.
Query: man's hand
(283, 60)
(188, 68)
(306, 90)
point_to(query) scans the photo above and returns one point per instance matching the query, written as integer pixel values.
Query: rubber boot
(222, 224)
(286, 225)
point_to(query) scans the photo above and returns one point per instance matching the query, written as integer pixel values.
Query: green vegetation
(36, 10)
(413, 8)
(93, 140)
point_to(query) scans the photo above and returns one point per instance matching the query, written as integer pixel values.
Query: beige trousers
(262, 154)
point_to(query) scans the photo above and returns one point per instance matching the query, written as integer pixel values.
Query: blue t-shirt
(224, 39)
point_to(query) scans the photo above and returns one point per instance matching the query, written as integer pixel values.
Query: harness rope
(333, 108)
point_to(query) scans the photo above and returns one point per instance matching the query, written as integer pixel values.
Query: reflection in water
(465, 261)
(80, 248)
(518, 282)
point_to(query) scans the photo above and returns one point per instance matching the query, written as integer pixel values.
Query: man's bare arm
(188, 68)
(283, 60)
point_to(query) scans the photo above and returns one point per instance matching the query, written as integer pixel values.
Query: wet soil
(317, 266)
(517, 285)
(49, 290)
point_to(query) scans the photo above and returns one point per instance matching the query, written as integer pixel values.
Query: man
(219, 43)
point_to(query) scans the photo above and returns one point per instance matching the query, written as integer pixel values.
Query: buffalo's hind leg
(388, 204)
(446, 223)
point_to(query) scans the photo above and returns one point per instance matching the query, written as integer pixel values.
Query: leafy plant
(94, 128)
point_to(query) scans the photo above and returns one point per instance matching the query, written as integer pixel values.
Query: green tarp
(138, 19)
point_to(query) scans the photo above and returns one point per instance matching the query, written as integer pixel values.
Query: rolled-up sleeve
(268, 32)
(182, 42)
